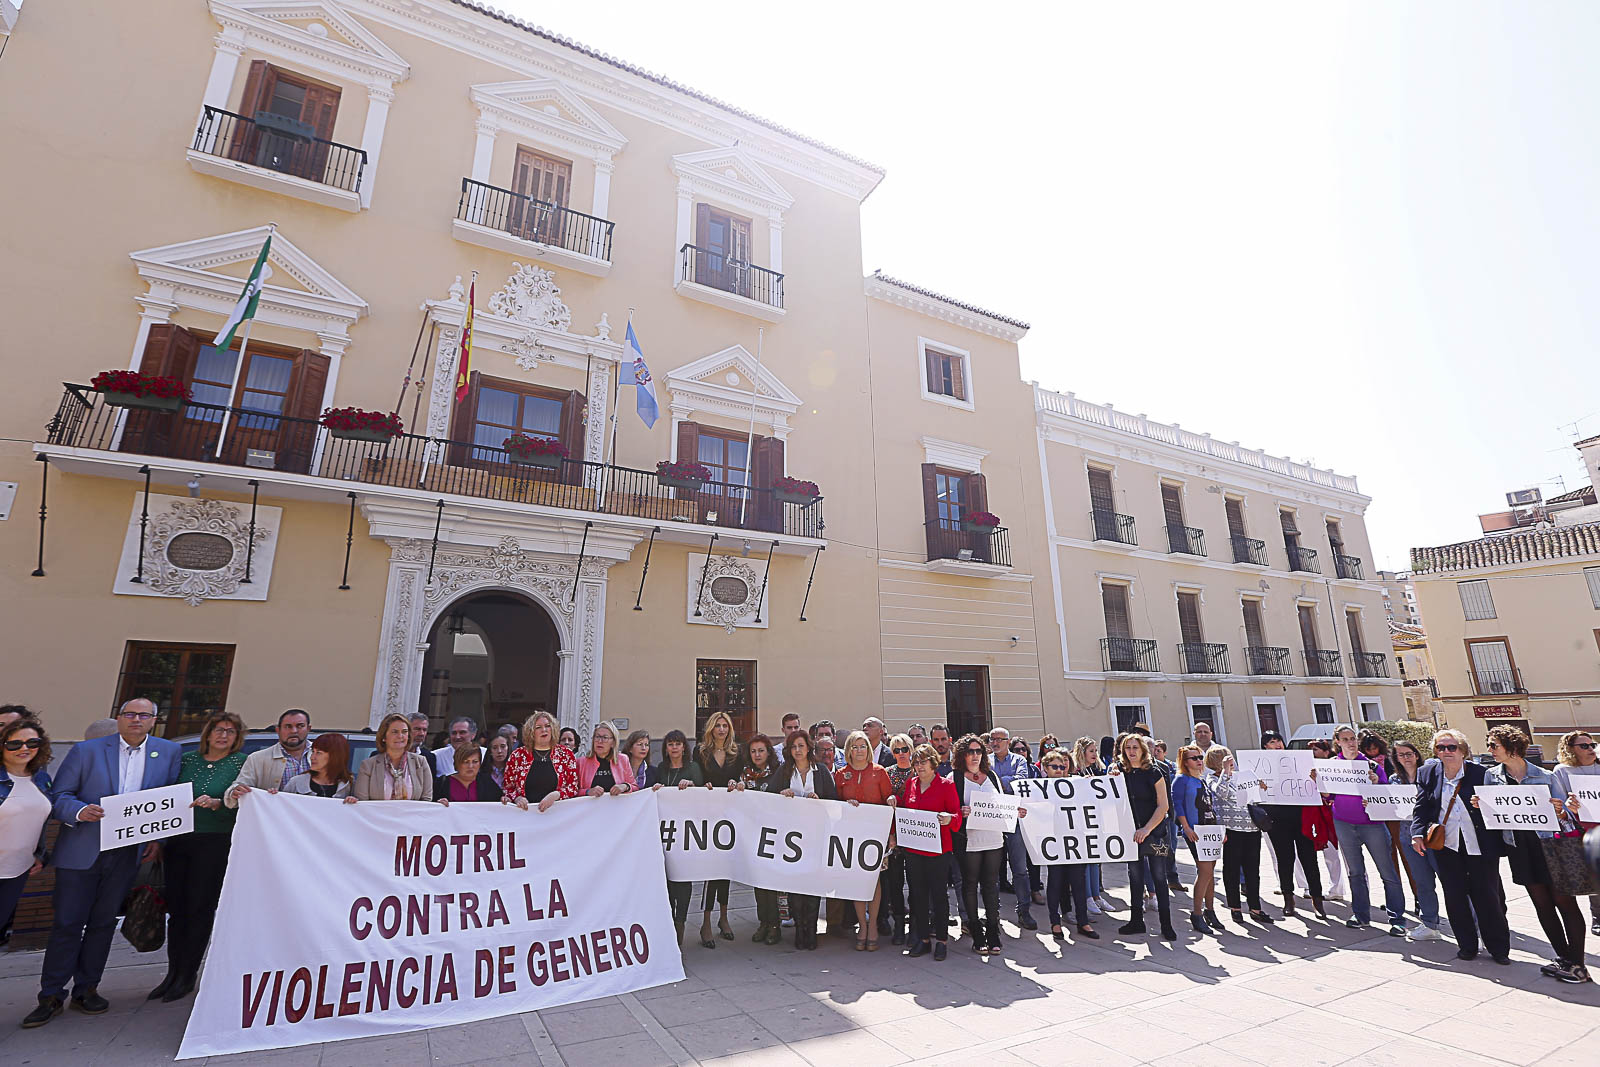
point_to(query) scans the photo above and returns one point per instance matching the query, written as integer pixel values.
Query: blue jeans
(1017, 857)
(1095, 882)
(1425, 874)
(1353, 836)
(87, 903)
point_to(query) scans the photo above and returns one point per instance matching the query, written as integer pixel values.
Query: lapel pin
(154, 755)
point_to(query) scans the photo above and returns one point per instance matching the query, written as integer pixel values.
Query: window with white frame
(1476, 602)
(946, 373)
(1371, 710)
(1323, 712)
(1270, 715)
(1128, 712)
(1592, 576)
(1208, 711)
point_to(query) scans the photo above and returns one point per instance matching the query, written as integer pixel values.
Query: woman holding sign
(800, 777)
(1086, 764)
(678, 771)
(980, 852)
(1191, 799)
(861, 781)
(1147, 796)
(926, 871)
(1577, 762)
(1424, 878)
(1530, 858)
(720, 765)
(541, 771)
(24, 808)
(760, 764)
(394, 772)
(1241, 849)
(1063, 878)
(1446, 823)
(1288, 838)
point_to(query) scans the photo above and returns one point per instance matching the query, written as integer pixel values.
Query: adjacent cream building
(407, 155)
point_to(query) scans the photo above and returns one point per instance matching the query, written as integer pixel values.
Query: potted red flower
(795, 491)
(683, 474)
(528, 451)
(131, 389)
(357, 424)
(980, 522)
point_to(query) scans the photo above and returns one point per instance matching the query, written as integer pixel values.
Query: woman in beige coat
(393, 772)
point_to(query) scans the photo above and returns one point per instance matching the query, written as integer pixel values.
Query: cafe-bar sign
(1497, 711)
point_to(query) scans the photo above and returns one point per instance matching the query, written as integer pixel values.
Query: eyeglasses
(137, 716)
(1445, 748)
(973, 750)
(1195, 759)
(898, 751)
(1055, 766)
(1587, 746)
(17, 746)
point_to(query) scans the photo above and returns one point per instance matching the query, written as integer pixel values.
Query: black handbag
(144, 918)
(1260, 816)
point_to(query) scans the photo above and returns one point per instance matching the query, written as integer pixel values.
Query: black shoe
(1168, 933)
(760, 935)
(1467, 954)
(1176, 886)
(1026, 921)
(179, 989)
(1504, 961)
(1129, 929)
(884, 926)
(1199, 923)
(90, 1002)
(1088, 931)
(1212, 921)
(161, 990)
(980, 948)
(939, 952)
(1262, 917)
(49, 1008)
(919, 948)
(899, 935)
(774, 934)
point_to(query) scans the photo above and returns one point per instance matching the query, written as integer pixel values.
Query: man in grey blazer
(91, 884)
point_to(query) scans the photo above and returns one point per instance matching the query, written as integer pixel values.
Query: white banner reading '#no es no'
(343, 921)
(1076, 820)
(824, 848)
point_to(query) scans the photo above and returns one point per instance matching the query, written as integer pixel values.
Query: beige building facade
(405, 157)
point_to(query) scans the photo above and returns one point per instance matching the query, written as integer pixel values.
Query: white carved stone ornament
(531, 296)
(730, 592)
(213, 519)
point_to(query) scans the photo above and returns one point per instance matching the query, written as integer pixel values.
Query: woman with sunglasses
(24, 808)
(892, 884)
(927, 873)
(980, 852)
(1469, 856)
(1191, 799)
(1064, 879)
(862, 781)
(1407, 759)
(1576, 758)
(1558, 912)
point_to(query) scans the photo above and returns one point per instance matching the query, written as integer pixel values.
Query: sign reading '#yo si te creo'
(146, 815)
(1285, 774)
(1517, 807)
(823, 848)
(419, 915)
(1076, 820)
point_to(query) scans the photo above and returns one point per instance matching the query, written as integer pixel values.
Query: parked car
(1316, 731)
(363, 743)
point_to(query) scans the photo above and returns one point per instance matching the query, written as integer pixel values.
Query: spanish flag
(464, 361)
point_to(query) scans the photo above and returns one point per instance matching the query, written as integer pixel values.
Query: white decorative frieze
(197, 550)
(531, 296)
(727, 591)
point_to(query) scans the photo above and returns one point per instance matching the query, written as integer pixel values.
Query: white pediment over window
(548, 111)
(208, 273)
(726, 383)
(316, 34)
(730, 176)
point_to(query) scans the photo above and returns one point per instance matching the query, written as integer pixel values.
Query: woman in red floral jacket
(540, 769)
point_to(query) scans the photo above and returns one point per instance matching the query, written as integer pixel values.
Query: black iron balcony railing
(1348, 567)
(279, 144)
(1186, 539)
(1111, 526)
(534, 220)
(947, 540)
(1370, 664)
(1249, 550)
(255, 438)
(1267, 659)
(1303, 559)
(1497, 682)
(718, 270)
(1323, 663)
(1203, 658)
(1129, 654)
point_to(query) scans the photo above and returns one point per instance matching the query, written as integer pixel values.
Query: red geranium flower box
(683, 474)
(795, 490)
(529, 451)
(357, 424)
(980, 521)
(131, 389)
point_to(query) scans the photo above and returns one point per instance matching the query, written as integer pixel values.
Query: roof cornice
(880, 286)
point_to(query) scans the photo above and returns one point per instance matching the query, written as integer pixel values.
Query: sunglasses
(1445, 748)
(1195, 759)
(1056, 766)
(898, 751)
(973, 751)
(1587, 746)
(30, 744)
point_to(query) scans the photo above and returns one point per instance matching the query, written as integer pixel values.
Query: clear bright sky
(1355, 234)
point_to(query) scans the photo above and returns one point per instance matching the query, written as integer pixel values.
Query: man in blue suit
(91, 884)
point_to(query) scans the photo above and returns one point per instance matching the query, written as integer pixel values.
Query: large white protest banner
(1285, 774)
(342, 921)
(1342, 776)
(1517, 807)
(1076, 820)
(1389, 803)
(990, 811)
(824, 848)
(1587, 790)
(1208, 847)
(147, 815)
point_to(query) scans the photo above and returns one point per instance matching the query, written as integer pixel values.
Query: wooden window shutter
(255, 86)
(930, 507)
(702, 225)
(1353, 624)
(1308, 627)
(461, 423)
(1189, 618)
(1254, 633)
(766, 467)
(958, 382)
(172, 351)
(573, 407)
(1172, 504)
(977, 493)
(1235, 512)
(1114, 602)
(320, 109)
(688, 442)
(1286, 519)
(935, 371)
(297, 440)
(1100, 495)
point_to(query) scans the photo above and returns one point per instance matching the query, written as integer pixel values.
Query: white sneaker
(1094, 909)
(1337, 894)
(1421, 932)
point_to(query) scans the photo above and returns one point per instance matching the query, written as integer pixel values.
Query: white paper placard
(1345, 777)
(1286, 773)
(146, 815)
(914, 828)
(1389, 803)
(990, 811)
(1076, 820)
(1588, 793)
(1209, 846)
(1516, 807)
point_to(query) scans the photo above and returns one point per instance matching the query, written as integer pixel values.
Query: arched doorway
(491, 655)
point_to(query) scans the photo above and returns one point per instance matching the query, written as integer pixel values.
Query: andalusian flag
(249, 300)
(464, 361)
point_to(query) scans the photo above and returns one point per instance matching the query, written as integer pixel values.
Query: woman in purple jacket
(1356, 832)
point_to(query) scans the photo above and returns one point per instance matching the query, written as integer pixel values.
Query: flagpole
(238, 368)
(616, 390)
(750, 438)
(462, 353)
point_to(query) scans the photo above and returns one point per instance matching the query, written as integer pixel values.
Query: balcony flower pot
(980, 522)
(543, 462)
(357, 424)
(540, 452)
(148, 392)
(794, 491)
(682, 475)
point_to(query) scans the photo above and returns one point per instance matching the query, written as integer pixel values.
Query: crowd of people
(1445, 847)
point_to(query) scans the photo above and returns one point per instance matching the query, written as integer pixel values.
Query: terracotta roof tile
(1527, 546)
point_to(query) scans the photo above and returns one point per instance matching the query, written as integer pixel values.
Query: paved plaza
(1303, 993)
